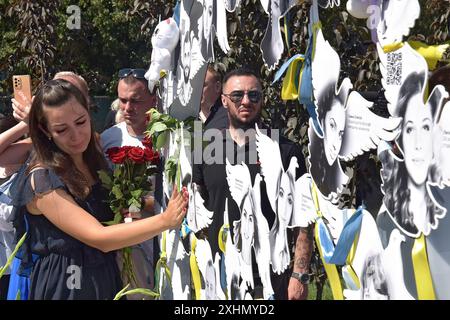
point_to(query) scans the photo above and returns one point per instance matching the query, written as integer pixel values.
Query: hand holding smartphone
(22, 97)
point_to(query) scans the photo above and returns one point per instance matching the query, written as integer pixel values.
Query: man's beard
(238, 124)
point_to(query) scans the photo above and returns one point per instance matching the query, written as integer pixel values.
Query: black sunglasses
(236, 96)
(137, 73)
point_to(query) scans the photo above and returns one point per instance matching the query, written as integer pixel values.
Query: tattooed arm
(302, 258)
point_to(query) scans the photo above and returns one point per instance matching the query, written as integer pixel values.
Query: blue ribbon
(338, 255)
(185, 230)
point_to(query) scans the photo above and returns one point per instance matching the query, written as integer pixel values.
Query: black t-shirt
(215, 190)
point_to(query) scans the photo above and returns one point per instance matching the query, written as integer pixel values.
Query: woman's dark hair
(327, 99)
(53, 94)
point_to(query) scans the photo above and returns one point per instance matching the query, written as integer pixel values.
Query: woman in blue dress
(63, 204)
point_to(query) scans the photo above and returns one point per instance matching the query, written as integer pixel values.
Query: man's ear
(224, 101)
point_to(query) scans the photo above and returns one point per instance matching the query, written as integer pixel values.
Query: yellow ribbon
(330, 269)
(162, 262)
(223, 237)
(422, 274)
(351, 255)
(432, 53)
(195, 272)
(392, 47)
(290, 88)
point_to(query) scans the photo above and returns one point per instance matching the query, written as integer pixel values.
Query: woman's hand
(176, 210)
(21, 112)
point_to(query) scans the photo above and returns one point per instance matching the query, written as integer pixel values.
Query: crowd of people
(52, 156)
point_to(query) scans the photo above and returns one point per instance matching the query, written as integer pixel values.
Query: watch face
(304, 278)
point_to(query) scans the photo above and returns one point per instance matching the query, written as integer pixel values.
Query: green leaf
(117, 192)
(161, 140)
(136, 194)
(105, 179)
(158, 127)
(117, 172)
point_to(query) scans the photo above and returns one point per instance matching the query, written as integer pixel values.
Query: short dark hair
(244, 71)
(215, 73)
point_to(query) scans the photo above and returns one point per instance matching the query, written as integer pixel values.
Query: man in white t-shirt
(135, 100)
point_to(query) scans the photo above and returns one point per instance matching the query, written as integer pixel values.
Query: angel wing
(271, 165)
(198, 217)
(239, 181)
(219, 292)
(272, 46)
(325, 75)
(305, 211)
(335, 217)
(443, 149)
(221, 26)
(398, 17)
(395, 67)
(262, 242)
(364, 129)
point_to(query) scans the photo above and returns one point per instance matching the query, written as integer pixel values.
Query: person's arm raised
(60, 208)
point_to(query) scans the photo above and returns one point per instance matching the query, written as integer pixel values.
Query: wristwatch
(304, 278)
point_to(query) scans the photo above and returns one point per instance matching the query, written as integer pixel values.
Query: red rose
(147, 142)
(136, 154)
(151, 155)
(117, 155)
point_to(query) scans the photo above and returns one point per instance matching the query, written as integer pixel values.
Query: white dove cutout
(349, 126)
(221, 26)
(172, 148)
(421, 145)
(240, 184)
(304, 208)
(179, 267)
(164, 40)
(214, 22)
(272, 46)
(397, 18)
(191, 58)
(380, 271)
(280, 191)
(232, 261)
(210, 271)
(231, 5)
(395, 68)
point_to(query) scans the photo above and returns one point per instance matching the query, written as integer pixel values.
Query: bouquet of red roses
(128, 184)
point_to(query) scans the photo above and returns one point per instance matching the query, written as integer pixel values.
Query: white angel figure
(179, 267)
(214, 21)
(422, 143)
(272, 46)
(280, 191)
(164, 40)
(209, 270)
(407, 179)
(240, 184)
(380, 271)
(252, 223)
(348, 125)
(191, 58)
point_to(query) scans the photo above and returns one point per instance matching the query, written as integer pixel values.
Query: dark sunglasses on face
(137, 73)
(236, 96)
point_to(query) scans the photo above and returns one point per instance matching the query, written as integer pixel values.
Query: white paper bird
(272, 46)
(280, 186)
(240, 184)
(178, 264)
(348, 125)
(164, 40)
(210, 271)
(198, 217)
(231, 5)
(191, 58)
(380, 271)
(397, 18)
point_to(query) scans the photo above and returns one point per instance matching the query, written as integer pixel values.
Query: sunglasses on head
(137, 73)
(236, 96)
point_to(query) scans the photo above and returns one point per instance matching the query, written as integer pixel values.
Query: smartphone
(22, 89)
